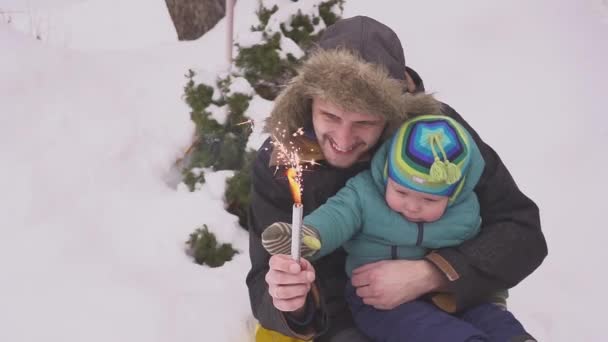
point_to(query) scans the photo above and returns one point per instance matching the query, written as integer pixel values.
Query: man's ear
(409, 83)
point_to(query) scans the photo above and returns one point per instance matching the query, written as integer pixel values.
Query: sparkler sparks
(249, 122)
(300, 131)
(294, 185)
(311, 162)
(288, 153)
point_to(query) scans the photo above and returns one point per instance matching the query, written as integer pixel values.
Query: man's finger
(361, 279)
(288, 305)
(306, 265)
(373, 301)
(377, 302)
(284, 263)
(287, 292)
(283, 278)
(366, 291)
(365, 268)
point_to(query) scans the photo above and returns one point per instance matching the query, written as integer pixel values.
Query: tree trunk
(192, 18)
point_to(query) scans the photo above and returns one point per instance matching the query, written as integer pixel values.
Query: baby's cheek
(391, 202)
(436, 213)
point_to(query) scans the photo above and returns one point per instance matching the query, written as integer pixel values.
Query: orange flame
(292, 176)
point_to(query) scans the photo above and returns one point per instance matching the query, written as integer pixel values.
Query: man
(348, 97)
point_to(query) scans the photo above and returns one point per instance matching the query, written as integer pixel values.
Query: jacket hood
(359, 65)
(373, 41)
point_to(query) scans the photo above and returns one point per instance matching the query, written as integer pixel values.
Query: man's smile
(341, 149)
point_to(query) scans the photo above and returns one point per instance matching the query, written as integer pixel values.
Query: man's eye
(331, 116)
(430, 200)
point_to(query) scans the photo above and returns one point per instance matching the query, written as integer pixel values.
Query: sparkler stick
(296, 214)
(296, 230)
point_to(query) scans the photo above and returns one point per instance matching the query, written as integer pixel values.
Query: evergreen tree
(204, 248)
(266, 65)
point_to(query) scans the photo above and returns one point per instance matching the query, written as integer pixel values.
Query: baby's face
(414, 205)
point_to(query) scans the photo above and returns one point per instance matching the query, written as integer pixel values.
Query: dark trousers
(422, 321)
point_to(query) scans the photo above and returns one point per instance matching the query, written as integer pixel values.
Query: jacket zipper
(420, 233)
(419, 239)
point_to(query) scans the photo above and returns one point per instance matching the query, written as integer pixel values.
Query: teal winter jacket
(359, 219)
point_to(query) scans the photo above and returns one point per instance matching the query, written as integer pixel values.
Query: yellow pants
(264, 335)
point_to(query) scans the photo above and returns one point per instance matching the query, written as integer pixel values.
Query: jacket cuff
(448, 303)
(443, 265)
(314, 319)
(445, 301)
(298, 324)
(456, 296)
(467, 286)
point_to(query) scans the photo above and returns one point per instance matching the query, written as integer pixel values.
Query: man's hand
(289, 282)
(389, 283)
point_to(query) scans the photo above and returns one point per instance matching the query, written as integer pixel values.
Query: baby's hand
(276, 239)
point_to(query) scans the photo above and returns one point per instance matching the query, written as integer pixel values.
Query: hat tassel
(443, 170)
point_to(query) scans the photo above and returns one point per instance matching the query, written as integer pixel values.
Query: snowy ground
(91, 120)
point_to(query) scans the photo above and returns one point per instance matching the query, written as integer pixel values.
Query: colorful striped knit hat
(430, 154)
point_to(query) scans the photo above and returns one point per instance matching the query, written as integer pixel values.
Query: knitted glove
(276, 239)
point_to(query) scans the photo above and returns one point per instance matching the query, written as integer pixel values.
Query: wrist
(302, 317)
(437, 280)
(298, 313)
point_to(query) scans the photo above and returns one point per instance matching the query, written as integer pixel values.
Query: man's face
(415, 206)
(344, 136)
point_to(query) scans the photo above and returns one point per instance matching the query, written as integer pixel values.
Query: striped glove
(276, 239)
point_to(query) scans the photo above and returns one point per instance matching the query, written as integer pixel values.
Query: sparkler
(296, 213)
(289, 154)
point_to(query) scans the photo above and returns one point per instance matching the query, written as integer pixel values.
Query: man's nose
(344, 136)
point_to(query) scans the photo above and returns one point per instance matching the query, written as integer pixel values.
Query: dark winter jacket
(508, 248)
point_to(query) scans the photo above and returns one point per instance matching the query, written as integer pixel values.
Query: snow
(288, 46)
(218, 114)
(257, 111)
(240, 85)
(93, 237)
(286, 9)
(92, 121)
(601, 7)
(249, 39)
(82, 25)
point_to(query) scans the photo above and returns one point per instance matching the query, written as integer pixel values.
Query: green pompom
(438, 172)
(453, 173)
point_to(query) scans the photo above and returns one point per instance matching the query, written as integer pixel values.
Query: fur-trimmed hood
(359, 66)
(344, 78)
